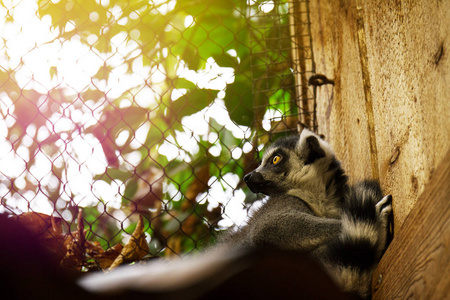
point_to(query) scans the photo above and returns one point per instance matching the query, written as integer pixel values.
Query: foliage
(162, 37)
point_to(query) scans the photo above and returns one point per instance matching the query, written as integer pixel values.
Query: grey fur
(311, 208)
(287, 223)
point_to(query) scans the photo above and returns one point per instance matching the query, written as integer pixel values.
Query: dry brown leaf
(174, 245)
(135, 249)
(93, 248)
(47, 229)
(199, 185)
(42, 225)
(110, 256)
(104, 258)
(75, 248)
(74, 256)
(189, 225)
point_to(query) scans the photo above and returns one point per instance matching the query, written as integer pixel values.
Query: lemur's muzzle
(257, 184)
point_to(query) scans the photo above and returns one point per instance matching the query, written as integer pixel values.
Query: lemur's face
(268, 177)
(287, 163)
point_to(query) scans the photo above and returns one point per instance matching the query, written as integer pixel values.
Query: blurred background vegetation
(116, 109)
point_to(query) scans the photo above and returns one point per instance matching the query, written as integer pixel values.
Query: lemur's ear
(314, 151)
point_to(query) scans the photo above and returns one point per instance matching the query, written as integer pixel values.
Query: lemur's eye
(276, 159)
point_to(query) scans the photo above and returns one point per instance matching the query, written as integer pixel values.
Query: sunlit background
(120, 107)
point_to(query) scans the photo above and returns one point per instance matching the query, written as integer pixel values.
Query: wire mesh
(282, 60)
(127, 125)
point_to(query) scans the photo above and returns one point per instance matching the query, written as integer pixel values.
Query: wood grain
(417, 263)
(408, 90)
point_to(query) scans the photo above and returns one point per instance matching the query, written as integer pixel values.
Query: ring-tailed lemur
(310, 208)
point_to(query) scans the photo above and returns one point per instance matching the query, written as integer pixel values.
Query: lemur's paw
(384, 206)
(384, 212)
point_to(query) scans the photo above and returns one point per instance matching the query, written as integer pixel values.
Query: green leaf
(134, 116)
(226, 60)
(192, 57)
(130, 189)
(182, 83)
(199, 7)
(239, 101)
(113, 173)
(194, 101)
(279, 100)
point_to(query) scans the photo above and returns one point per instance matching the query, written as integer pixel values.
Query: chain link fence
(128, 125)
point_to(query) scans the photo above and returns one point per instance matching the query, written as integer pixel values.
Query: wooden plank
(417, 263)
(409, 86)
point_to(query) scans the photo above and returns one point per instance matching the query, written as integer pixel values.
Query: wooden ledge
(417, 263)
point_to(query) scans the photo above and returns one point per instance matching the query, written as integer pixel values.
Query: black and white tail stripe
(363, 239)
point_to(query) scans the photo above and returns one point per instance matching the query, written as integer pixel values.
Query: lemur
(310, 208)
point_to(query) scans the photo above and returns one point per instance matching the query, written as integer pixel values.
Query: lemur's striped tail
(365, 224)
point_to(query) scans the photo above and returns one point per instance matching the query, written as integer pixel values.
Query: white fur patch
(359, 230)
(324, 145)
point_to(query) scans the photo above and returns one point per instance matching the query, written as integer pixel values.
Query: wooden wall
(390, 61)
(388, 116)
